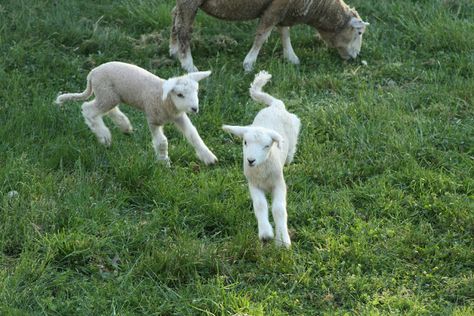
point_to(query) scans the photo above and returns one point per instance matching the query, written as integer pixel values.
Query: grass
(381, 194)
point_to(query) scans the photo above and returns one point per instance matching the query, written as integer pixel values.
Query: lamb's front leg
(280, 216)
(260, 208)
(160, 143)
(288, 51)
(187, 128)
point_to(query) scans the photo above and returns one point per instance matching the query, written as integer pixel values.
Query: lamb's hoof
(105, 140)
(128, 131)
(266, 236)
(164, 161)
(208, 158)
(280, 243)
(283, 240)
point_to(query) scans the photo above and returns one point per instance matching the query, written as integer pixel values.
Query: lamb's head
(257, 142)
(183, 91)
(348, 40)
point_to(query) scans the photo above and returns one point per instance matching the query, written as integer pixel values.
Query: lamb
(338, 25)
(161, 100)
(268, 144)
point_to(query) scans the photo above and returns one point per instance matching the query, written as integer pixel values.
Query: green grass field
(380, 196)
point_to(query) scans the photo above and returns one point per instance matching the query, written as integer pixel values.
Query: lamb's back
(282, 122)
(133, 84)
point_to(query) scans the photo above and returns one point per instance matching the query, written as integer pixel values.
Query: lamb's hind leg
(121, 120)
(180, 43)
(160, 143)
(93, 112)
(288, 51)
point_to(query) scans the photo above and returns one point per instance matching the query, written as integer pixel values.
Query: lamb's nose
(251, 161)
(195, 110)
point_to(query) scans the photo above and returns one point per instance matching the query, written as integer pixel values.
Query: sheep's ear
(276, 138)
(197, 76)
(168, 86)
(358, 23)
(236, 130)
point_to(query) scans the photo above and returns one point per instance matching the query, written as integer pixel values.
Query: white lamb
(269, 143)
(161, 100)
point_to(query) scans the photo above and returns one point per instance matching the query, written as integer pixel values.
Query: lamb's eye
(180, 95)
(266, 147)
(360, 33)
(245, 142)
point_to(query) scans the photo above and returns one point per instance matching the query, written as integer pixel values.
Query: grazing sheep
(339, 25)
(161, 100)
(269, 143)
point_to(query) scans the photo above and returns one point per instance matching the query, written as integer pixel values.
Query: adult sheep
(338, 25)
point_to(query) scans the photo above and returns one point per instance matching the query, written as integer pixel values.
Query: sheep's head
(183, 91)
(257, 142)
(347, 41)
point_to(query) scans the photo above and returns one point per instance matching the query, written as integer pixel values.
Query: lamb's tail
(75, 96)
(258, 95)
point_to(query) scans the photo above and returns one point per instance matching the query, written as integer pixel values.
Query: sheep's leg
(93, 113)
(263, 32)
(183, 19)
(288, 51)
(187, 128)
(260, 208)
(160, 143)
(121, 120)
(280, 216)
(174, 46)
(271, 17)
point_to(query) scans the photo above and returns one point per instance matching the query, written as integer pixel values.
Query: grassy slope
(380, 195)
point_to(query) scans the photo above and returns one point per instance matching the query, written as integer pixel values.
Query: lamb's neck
(161, 112)
(169, 109)
(327, 15)
(267, 174)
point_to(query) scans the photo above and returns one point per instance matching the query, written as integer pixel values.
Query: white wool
(269, 143)
(162, 101)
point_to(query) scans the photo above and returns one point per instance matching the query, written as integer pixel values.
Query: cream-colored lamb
(269, 143)
(161, 100)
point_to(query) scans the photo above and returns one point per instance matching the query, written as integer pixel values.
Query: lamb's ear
(236, 130)
(276, 138)
(168, 86)
(197, 76)
(358, 23)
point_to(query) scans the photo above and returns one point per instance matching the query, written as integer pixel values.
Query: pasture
(380, 195)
